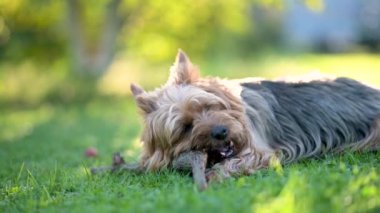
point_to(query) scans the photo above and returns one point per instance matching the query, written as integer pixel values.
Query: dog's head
(190, 113)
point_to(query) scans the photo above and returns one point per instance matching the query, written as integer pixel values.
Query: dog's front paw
(215, 174)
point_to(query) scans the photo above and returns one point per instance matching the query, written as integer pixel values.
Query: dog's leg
(372, 142)
(239, 166)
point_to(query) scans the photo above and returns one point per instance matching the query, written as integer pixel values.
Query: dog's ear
(183, 71)
(136, 90)
(146, 103)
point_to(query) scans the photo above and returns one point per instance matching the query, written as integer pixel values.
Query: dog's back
(307, 119)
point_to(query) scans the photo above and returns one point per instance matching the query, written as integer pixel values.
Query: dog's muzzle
(222, 147)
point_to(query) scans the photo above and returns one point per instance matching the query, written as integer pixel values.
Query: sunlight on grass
(133, 151)
(123, 72)
(363, 67)
(339, 188)
(364, 185)
(286, 201)
(118, 78)
(25, 84)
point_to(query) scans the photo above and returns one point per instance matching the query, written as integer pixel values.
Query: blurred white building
(340, 26)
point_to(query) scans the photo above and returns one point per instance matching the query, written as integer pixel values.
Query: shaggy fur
(244, 125)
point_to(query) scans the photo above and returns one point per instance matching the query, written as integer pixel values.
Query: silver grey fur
(308, 119)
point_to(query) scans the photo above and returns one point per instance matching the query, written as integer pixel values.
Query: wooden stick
(118, 164)
(194, 161)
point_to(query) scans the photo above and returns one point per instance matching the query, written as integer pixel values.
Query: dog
(247, 124)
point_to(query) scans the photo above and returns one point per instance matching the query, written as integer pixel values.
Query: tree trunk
(84, 61)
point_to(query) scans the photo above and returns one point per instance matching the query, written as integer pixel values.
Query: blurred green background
(67, 51)
(65, 71)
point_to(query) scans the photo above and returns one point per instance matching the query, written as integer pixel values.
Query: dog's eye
(188, 127)
(208, 107)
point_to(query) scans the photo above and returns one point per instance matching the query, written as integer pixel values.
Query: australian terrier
(244, 124)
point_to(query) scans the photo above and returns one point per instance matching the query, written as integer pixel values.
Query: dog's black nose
(219, 132)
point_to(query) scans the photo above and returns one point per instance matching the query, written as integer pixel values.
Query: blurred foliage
(155, 28)
(195, 26)
(30, 29)
(315, 5)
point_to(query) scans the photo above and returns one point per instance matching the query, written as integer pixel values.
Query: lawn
(43, 168)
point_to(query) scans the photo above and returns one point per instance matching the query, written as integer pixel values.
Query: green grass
(43, 168)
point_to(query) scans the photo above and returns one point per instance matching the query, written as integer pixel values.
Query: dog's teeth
(230, 152)
(223, 153)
